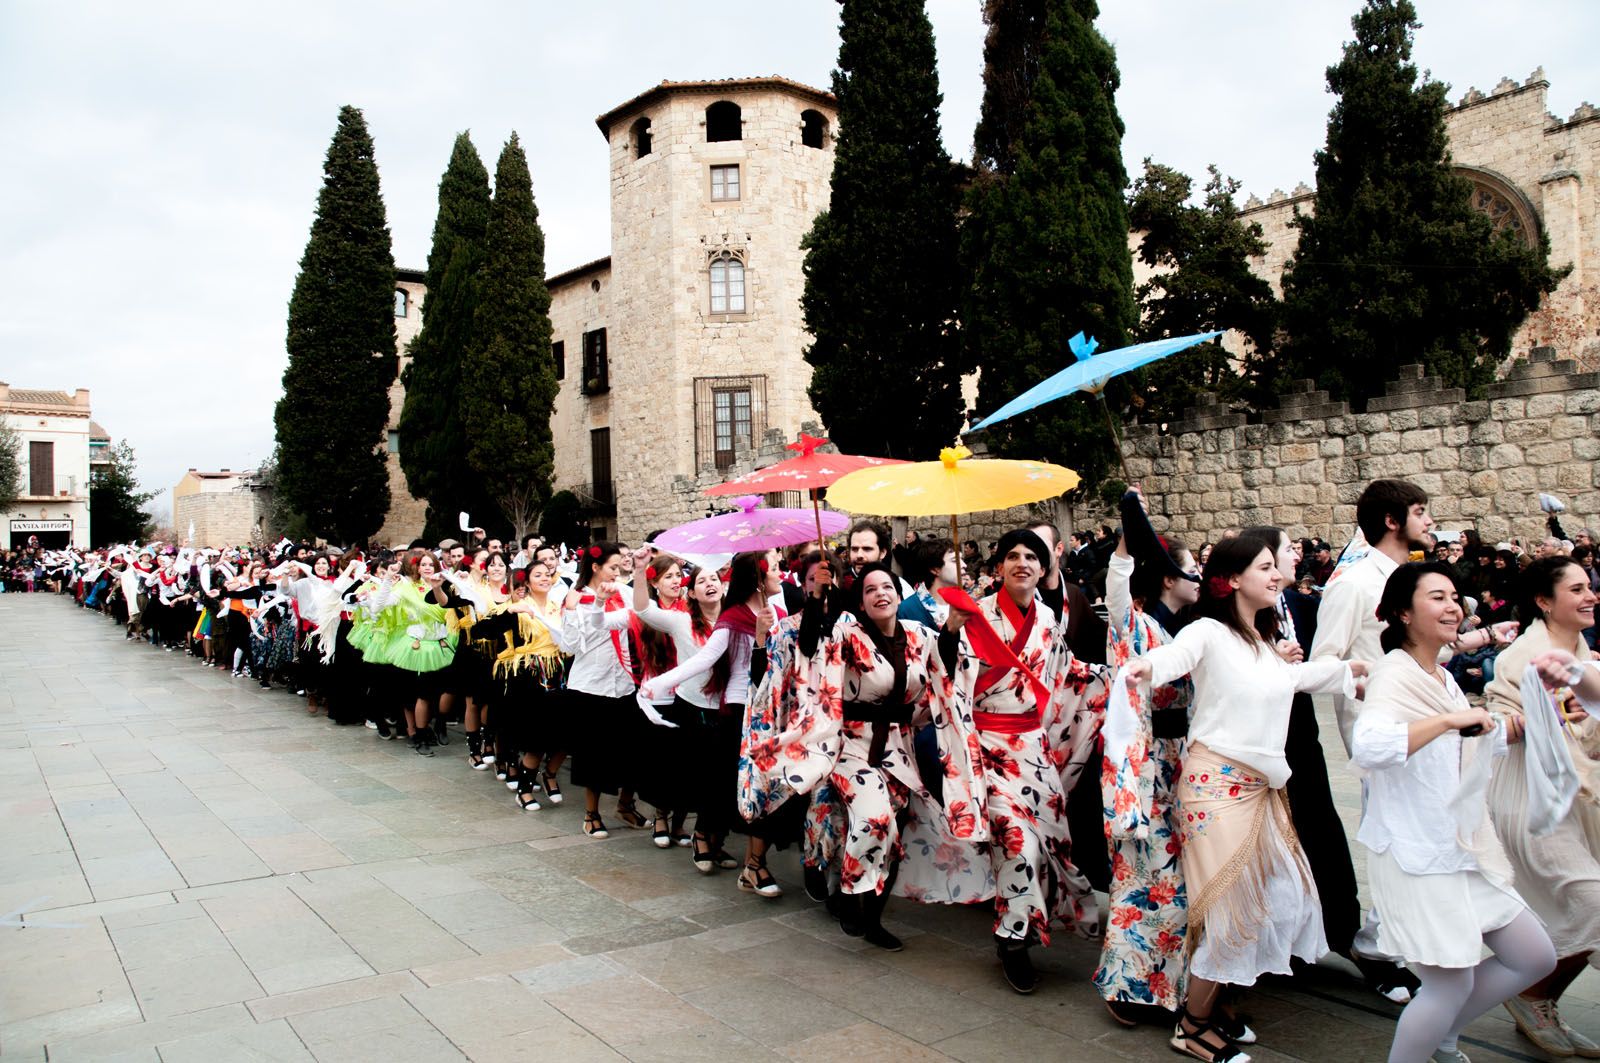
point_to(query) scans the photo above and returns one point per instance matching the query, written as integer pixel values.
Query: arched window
(402, 301)
(813, 129)
(641, 138)
(727, 285)
(723, 121)
(1507, 209)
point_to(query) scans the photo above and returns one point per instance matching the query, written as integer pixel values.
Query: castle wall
(1302, 468)
(1507, 137)
(406, 515)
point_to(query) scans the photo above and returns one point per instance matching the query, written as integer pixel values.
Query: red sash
(994, 651)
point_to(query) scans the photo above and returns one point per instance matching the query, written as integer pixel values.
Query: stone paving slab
(202, 871)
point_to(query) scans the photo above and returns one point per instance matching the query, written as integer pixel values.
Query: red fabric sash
(993, 650)
(1008, 723)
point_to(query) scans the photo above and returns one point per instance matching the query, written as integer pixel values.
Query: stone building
(406, 514)
(54, 429)
(222, 507)
(1530, 172)
(681, 350)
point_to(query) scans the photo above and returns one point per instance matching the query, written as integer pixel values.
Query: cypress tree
(1202, 282)
(433, 441)
(115, 501)
(341, 347)
(1047, 242)
(509, 379)
(881, 278)
(1396, 265)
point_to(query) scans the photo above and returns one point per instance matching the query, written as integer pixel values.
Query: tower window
(724, 182)
(558, 350)
(641, 138)
(813, 129)
(727, 285)
(402, 301)
(723, 121)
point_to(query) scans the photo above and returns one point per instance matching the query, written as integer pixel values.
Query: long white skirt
(1438, 920)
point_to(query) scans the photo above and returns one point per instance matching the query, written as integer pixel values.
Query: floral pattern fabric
(1143, 959)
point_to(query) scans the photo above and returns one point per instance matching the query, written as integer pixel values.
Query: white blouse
(1409, 798)
(1242, 692)
(586, 634)
(679, 626)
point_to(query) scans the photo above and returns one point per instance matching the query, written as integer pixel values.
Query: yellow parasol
(952, 485)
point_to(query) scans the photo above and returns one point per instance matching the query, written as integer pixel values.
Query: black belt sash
(882, 716)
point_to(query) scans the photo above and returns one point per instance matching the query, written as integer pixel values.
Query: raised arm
(699, 664)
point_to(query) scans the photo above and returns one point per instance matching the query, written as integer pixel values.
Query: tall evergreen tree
(1011, 50)
(1047, 243)
(1396, 265)
(115, 501)
(1202, 282)
(341, 350)
(508, 382)
(433, 441)
(882, 281)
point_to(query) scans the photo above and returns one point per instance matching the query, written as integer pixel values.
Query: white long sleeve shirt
(586, 634)
(1242, 692)
(1349, 630)
(679, 626)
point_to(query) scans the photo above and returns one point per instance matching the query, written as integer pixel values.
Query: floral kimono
(1143, 959)
(798, 740)
(1033, 726)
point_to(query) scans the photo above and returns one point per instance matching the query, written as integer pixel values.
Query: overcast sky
(162, 160)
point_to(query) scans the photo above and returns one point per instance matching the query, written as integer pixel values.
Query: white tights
(1451, 997)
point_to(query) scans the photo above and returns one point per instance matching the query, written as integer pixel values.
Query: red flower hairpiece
(761, 566)
(1219, 586)
(651, 574)
(594, 552)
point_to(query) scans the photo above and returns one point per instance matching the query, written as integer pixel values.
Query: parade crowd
(1025, 727)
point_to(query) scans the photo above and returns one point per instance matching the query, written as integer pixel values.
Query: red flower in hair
(761, 566)
(1219, 586)
(650, 573)
(594, 552)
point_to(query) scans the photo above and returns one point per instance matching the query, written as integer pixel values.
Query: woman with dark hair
(1558, 873)
(1252, 902)
(1437, 871)
(726, 662)
(479, 590)
(600, 685)
(1151, 586)
(674, 627)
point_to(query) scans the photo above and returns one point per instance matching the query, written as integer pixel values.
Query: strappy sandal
(514, 774)
(1192, 1043)
(755, 878)
(659, 835)
(725, 860)
(593, 826)
(552, 789)
(527, 800)
(705, 861)
(629, 814)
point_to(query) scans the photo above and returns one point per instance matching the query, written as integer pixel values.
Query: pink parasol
(752, 528)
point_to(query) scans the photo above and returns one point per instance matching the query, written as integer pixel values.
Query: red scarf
(993, 650)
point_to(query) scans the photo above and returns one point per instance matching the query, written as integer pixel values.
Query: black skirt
(604, 740)
(682, 770)
(783, 826)
(528, 716)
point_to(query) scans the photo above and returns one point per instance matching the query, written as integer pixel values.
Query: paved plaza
(195, 869)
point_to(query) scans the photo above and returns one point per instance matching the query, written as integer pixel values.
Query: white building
(53, 503)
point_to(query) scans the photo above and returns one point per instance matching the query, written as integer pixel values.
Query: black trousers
(1321, 831)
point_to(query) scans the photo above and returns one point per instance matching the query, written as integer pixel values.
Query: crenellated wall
(1304, 464)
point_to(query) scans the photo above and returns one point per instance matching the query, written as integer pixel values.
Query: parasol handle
(1116, 439)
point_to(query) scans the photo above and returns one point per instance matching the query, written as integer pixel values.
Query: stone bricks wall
(220, 518)
(1304, 464)
(1543, 167)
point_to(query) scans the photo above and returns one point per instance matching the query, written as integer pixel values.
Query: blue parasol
(1090, 375)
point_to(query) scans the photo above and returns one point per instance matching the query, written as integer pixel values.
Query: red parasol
(807, 471)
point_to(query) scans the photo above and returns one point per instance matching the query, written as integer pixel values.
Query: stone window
(724, 183)
(724, 122)
(729, 412)
(727, 284)
(641, 138)
(41, 467)
(1507, 209)
(558, 351)
(600, 488)
(394, 441)
(596, 373)
(402, 302)
(813, 129)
